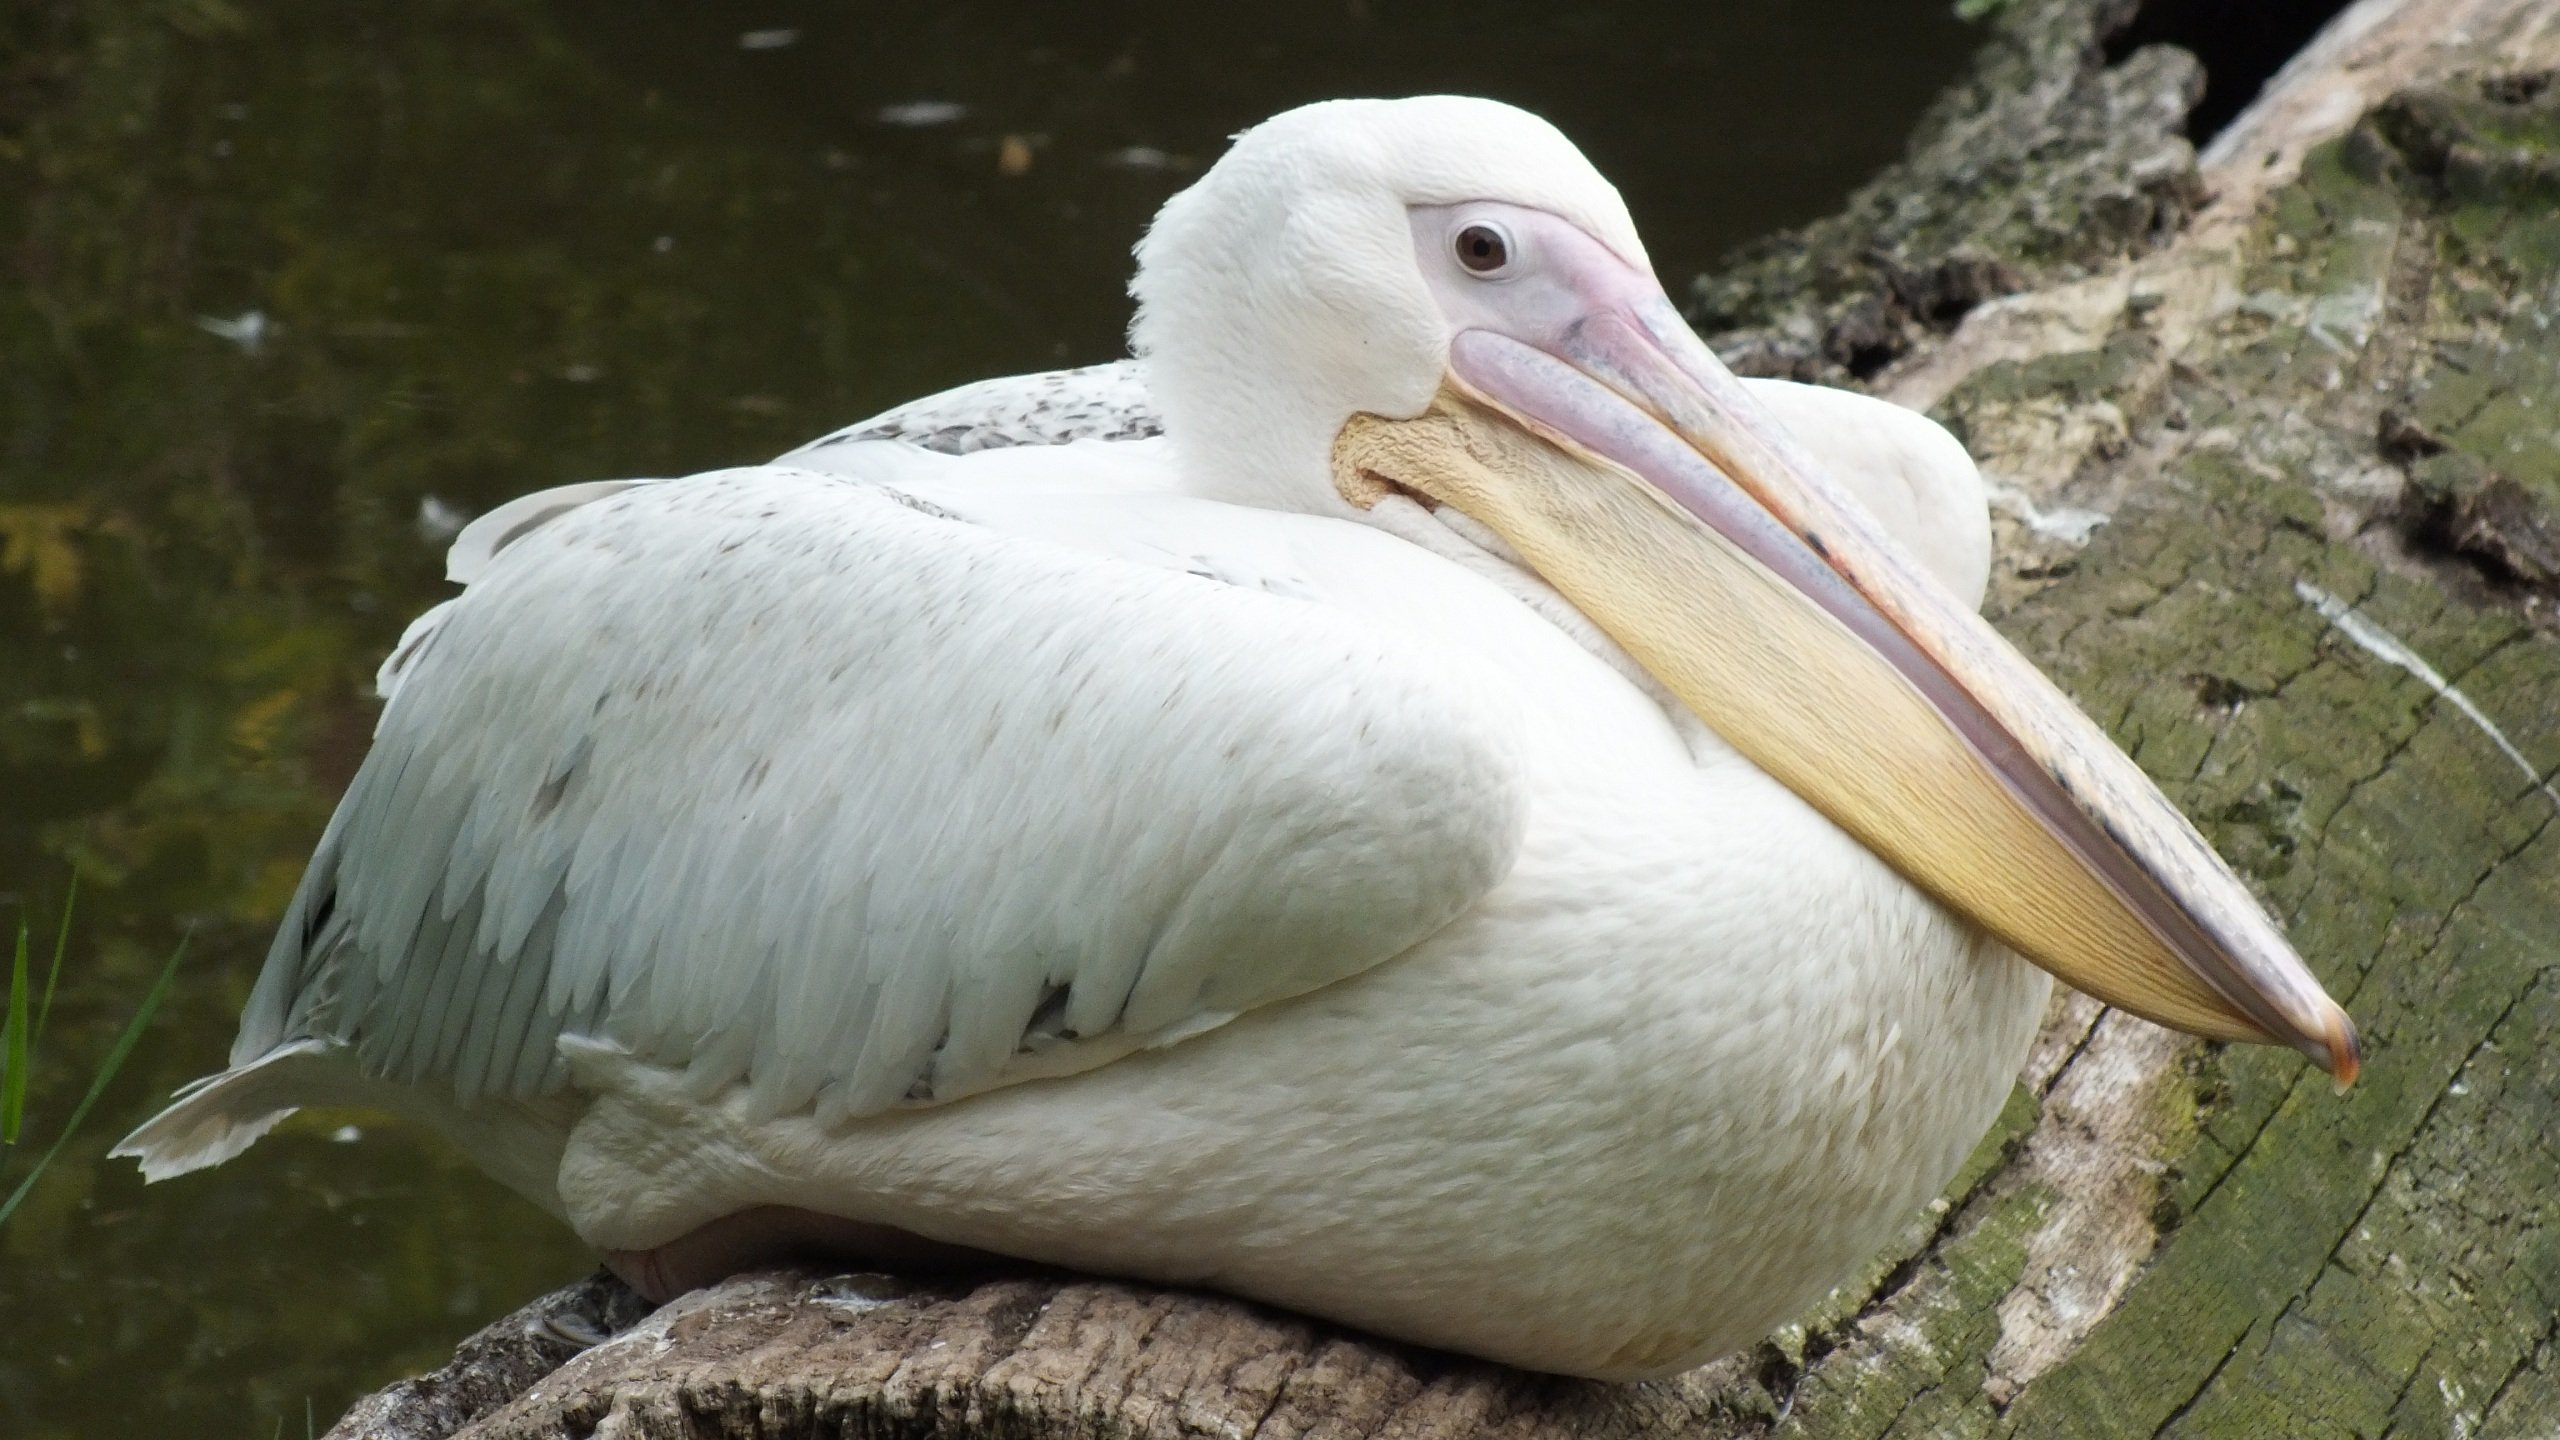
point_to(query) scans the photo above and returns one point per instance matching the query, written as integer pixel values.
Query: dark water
(277, 279)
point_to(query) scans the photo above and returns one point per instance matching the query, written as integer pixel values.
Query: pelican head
(1438, 302)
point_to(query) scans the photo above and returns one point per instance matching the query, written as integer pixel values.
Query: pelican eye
(1483, 249)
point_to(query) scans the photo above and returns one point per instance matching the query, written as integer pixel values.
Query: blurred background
(289, 289)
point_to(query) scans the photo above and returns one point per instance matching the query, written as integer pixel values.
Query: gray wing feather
(1097, 402)
(770, 777)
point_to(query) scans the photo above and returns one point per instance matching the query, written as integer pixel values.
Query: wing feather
(1054, 407)
(781, 778)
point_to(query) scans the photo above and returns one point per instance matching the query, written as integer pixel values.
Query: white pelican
(1489, 829)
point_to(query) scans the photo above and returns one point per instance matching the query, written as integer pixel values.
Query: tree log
(2275, 436)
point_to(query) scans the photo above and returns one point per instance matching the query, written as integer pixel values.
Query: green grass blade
(123, 1047)
(13, 1047)
(61, 945)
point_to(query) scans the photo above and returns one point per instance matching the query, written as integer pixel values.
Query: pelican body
(1419, 798)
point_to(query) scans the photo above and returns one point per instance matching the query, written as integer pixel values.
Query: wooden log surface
(2275, 440)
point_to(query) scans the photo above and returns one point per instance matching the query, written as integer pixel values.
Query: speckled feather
(1097, 402)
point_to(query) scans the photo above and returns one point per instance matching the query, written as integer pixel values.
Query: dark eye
(1483, 249)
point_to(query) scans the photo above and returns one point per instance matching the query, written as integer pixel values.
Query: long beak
(1637, 476)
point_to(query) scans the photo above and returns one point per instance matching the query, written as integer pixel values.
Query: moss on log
(2278, 500)
(2043, 163)
(2360, 724)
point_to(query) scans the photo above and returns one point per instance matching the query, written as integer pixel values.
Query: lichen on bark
(2249, 623)
(2478, 436)
(2044, 162)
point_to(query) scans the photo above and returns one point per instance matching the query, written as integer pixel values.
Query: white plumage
(1004, 824)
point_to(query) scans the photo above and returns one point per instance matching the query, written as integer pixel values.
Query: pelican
(1487, 828)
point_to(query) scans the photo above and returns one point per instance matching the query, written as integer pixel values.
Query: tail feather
(212, 1119)
(215, 1118)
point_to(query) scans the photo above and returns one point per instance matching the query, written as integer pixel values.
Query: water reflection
(294, 288)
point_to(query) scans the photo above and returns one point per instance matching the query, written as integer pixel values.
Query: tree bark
(2275, 441)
